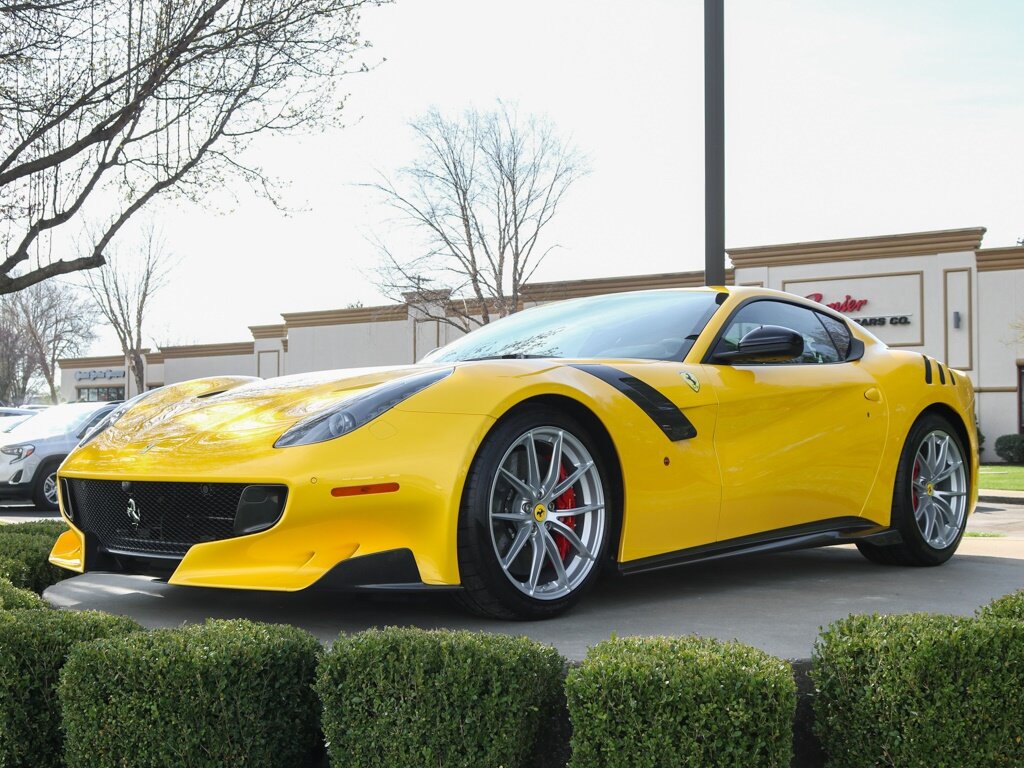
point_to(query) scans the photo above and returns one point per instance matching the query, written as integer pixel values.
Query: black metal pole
(714, 143)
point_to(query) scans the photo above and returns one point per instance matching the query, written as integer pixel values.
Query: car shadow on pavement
(776, 602)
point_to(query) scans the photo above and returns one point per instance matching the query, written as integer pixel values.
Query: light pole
(714, 143)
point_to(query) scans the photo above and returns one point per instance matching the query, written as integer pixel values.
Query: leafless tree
(18, 364)
(56, 322)
(106, 104)
(480, 194)
(123, 294)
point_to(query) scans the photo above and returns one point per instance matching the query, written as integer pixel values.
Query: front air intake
(166, 519)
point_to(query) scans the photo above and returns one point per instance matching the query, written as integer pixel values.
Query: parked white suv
(31, 452)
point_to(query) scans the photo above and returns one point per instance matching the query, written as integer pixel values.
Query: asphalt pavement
(775, 602)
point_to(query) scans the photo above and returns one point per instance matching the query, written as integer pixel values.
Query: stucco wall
(184, 368)
(350, 345)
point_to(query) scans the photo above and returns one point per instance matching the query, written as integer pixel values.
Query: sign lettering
(109, 373)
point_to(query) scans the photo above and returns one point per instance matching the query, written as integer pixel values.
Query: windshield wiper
(509, 356)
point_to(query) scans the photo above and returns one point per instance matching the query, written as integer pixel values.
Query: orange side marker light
(364, 490)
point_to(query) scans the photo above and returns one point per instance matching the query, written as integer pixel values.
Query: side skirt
(840, 530)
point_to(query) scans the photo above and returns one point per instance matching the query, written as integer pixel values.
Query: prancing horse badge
(691, 380)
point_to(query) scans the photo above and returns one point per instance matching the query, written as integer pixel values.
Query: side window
(819, 346)
(838, 332)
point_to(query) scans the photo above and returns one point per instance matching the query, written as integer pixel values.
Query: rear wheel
(930, 498)
(44, 489)
(533, 529)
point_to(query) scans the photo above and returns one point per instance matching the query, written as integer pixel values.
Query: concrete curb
(1001, 497)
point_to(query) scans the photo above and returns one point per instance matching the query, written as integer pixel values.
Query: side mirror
(767, 344)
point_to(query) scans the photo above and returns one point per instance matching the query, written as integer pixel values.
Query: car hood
(235, 411)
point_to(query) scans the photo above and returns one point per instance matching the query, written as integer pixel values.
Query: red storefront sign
(849, 304)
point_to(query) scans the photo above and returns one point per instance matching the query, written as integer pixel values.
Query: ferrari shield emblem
(691, 380)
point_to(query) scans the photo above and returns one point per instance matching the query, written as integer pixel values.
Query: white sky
(843, 118)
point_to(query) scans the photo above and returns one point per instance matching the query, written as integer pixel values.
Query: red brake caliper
(566, 501)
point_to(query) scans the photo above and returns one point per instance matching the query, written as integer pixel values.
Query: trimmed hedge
(410, 697)
(12, 597)
(920, 690)
(215, 694)
(25, 554)
(33, 647)
(52, 528)
(1009, 606)
(680, 701)
(1010, 448)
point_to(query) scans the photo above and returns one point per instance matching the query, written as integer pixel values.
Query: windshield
(653, 325)
(58, 420)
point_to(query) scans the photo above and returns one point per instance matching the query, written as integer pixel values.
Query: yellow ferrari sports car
(632, 431)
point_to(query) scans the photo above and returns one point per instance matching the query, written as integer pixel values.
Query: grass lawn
(1001, 477)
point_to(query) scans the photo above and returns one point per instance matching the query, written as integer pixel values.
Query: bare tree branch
(480, 195)
(56, 323)
(123, 296)
(106, 104)
(19, 363)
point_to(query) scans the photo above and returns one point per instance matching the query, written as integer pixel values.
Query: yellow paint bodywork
(776, 446)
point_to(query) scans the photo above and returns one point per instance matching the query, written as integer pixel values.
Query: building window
(99, 394)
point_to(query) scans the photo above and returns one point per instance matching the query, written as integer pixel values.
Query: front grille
(152, 518)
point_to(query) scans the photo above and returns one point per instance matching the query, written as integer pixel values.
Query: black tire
(489, 589)
(47, 470)
(915, 549)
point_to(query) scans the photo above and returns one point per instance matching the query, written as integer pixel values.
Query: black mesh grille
(155, 518)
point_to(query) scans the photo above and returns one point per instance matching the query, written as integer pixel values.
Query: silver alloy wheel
(939, 489)
(545, 547)
(50, 488)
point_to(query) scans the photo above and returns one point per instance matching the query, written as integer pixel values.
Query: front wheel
(534, 523)
(44, 490)
(930, 499)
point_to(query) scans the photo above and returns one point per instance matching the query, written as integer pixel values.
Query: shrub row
(1010, 448)
(923, 690)
(892, 690)
(25, 551)
(239, 693)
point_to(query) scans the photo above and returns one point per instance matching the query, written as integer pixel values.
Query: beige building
(939, 293)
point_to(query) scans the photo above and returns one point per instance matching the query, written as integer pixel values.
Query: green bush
(25, 552)
(1009, 607)
(12, 597)
(24, 559)
(51, 528)
(223, 693)
(920, 690)
(14, 571)
(684, 701)
(1010, 448)
(33, 647)
(409, 697)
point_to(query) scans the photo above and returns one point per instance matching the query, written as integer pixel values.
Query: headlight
(19, 452)
(357, 411)
(114, 415)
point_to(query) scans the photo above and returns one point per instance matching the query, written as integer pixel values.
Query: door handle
(873, 394)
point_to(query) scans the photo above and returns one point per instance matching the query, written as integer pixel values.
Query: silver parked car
(31, 452)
